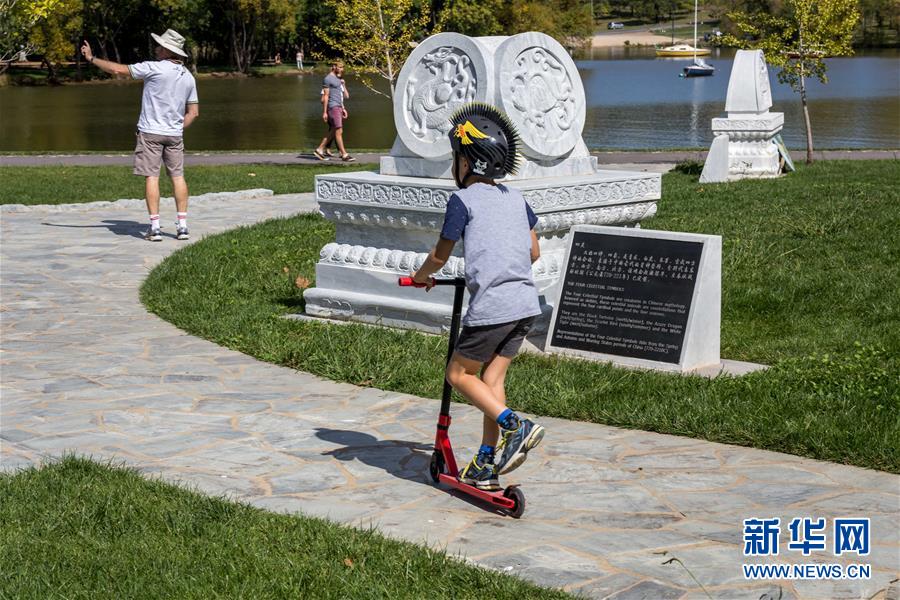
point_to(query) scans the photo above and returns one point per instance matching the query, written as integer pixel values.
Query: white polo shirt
(168, 88)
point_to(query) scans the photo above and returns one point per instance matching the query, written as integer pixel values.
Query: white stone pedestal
(387, 222)
(744, 141)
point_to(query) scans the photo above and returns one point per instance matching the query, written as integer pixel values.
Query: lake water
(634, 101)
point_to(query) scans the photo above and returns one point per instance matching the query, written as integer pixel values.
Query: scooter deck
(496, 498)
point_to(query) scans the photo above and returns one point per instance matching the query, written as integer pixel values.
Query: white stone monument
(743, 146)
(387, 222)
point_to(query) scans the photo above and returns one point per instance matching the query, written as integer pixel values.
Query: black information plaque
(627, 295)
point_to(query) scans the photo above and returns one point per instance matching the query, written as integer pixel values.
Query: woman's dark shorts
(483, 342)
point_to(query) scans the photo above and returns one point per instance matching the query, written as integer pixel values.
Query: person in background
(169, 104)
(334, 92)
(300, 59)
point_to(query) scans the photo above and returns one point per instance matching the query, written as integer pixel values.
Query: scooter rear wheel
(518, 497)
(436, 467)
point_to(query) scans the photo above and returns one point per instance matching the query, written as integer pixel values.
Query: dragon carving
(449, 84)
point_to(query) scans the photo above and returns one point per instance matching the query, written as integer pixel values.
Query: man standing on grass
(169, 104)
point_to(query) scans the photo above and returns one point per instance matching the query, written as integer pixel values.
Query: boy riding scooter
(500, 247)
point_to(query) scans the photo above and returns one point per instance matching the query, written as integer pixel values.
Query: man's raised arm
(113, 68)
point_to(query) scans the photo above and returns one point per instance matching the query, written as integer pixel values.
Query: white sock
(182, 219)
(154, 222)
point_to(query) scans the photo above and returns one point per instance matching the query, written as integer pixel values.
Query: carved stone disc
(444, 72)
(540, 89)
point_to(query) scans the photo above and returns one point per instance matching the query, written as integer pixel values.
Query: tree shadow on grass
(130, 228)
(402, 459)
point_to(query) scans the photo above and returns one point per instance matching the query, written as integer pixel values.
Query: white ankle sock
(154, 222)
(182, 219)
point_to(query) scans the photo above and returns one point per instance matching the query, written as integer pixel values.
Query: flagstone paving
(86, 369)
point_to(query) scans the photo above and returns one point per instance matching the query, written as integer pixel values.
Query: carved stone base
(351, 293)
(743, 148)
(385, 226)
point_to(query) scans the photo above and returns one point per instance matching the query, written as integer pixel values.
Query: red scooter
(443, 464)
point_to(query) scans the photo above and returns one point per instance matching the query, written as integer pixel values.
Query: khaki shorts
(152, 150)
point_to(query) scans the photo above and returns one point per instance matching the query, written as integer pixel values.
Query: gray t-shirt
(495, 223)
(335, 91)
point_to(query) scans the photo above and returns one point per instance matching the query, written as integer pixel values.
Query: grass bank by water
(77, 529)
(810, 271)
(62, 185)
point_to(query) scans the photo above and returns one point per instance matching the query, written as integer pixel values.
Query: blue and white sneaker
(181, 233)
(516, 443)
(153, 235)
(481, 475)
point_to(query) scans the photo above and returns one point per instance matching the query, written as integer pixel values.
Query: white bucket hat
(171, 40)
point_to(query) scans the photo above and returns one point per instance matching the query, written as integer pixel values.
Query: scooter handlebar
(408, 281)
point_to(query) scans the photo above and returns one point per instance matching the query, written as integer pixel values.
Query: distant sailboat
(700, 68)
(684, 49)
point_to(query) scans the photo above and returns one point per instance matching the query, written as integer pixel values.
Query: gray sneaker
(182, 233)
(515, 444)
(153, 235)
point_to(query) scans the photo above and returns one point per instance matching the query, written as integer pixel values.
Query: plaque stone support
(387, 222)
(743, 144)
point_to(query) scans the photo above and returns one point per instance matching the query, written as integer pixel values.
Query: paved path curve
(86, 368)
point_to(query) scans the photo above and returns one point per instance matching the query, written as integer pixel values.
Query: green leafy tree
(106, 20)
(376, 37)
(574, 23)
(472, 18)
(17, 19)
(57, 35)
(798, 40)
(568, 21)
(878, 18)
(252, 22)
(199, 21)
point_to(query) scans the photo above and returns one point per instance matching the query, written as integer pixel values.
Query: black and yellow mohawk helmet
(487, 138)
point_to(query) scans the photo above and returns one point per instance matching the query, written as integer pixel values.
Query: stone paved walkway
(85, 368)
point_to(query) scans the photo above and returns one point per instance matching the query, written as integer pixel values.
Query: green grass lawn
(809, 287)
(63, 185)
(76, 529)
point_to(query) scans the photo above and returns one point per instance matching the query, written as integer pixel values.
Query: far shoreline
(622, 39)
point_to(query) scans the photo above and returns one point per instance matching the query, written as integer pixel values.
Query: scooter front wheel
(518, 497)
(436, 467)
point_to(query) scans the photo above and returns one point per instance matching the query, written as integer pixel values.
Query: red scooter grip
(408, 281)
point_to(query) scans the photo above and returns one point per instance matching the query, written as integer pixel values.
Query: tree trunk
(51, 73)
(809, 142)
(79, 76)
(387, 49)
(234, 46)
